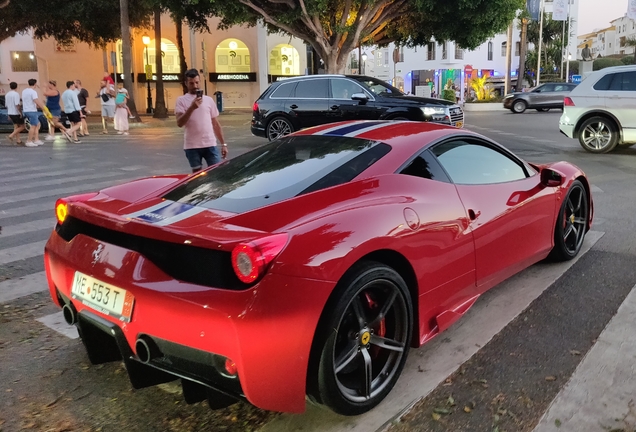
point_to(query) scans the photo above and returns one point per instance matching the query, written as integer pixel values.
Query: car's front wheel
(362, 340)
(278, 127)
(519, 106)
(598, 135)
(571, 224)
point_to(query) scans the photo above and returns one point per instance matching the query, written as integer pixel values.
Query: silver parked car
(542, 98)
(601, 111)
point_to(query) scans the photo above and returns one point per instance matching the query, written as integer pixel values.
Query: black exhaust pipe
(70, 314)
(147, 349)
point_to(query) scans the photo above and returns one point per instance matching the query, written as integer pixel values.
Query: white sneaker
(50, 138)
(125, 133)
(38, 142)
(120, 133)
(30, 144)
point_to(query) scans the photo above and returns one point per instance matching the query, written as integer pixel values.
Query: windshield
(279, 170)
(378, 87)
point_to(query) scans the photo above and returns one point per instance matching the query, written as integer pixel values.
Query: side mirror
(360, 97)
(551, 178)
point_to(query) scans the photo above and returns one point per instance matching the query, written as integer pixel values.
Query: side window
(426, 166)
(284, 91)
(547, 88)
(472, 162)
(343, 89)
(561, 88)
(312, 89)
(604, 83)
(625, 81)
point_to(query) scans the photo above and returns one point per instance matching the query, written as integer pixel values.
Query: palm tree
(631, 42)
(127, 57)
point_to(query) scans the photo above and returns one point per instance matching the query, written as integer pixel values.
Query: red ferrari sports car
(307, 266)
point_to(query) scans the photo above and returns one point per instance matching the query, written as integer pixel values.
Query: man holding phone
(198, 115)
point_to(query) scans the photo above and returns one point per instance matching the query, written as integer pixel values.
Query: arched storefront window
(284, 60)
(232, 55)
(170, 56)
(169, 53)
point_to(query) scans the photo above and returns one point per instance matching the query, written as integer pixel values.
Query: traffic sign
(576, 79)
(468, 69)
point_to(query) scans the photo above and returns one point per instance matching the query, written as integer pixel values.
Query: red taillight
(61, 210)
(568, 101)
(249, 260)
(255, 107)
(230, 367)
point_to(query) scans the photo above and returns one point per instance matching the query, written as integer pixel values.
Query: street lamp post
(364, 61)
(146, 40)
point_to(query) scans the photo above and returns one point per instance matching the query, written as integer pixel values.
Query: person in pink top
(198, 115)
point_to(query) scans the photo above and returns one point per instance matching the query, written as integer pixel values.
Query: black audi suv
(300, 102)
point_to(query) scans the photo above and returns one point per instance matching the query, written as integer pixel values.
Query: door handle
(294, 106)
(334, 107)
(473, 214)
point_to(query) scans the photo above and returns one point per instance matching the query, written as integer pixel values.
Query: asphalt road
(46, 382)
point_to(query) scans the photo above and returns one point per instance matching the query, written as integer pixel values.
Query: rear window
(280, 170)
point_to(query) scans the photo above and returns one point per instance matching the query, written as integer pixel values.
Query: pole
(359, 60)
(563, 49)
(540, 42)
(567, 68)
(149, 108)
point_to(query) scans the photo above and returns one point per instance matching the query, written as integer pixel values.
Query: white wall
(17, 43)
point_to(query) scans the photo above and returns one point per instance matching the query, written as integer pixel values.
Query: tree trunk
(522, 53)
(508, 59)
(160, 102)
(183, 66)
(127, 58)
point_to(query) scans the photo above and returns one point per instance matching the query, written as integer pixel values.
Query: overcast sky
(597, 14)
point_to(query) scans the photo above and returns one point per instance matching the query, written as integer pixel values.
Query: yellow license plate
(103, 297)
(459, 124)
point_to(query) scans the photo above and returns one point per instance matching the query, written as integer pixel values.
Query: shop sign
(166, 78)
(276, 78)
(233, 77)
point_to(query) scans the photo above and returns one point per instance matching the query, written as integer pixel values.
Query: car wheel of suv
(598, 135)
(278, 128)
(519, 106)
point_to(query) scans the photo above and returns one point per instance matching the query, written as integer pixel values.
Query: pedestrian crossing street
(27, 197)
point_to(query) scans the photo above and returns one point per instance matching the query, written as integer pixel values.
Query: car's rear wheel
(278, 128)
(598, 135)
(543, 109)
(571, 224)
(519, 106)
(362, 340)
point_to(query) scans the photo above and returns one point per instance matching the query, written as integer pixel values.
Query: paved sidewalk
(601, 395)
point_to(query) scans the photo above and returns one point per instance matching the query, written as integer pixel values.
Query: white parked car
(601, 111)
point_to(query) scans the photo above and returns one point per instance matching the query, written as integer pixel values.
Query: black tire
(540, 109)
(519, 106)
(598, 135)
(278, 127)
(362, 340)
(571, 224)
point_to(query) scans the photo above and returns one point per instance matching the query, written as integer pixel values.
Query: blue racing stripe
(352, 128)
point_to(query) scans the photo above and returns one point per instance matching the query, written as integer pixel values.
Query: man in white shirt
(14, 110)
(30, 105)
(72, 109)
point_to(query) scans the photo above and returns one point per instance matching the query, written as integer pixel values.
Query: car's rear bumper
(567, 129)
(267, 330)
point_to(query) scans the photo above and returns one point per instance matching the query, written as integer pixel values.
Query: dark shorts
(84, 111)
(196, 156)
(74, 117)
(17, 119)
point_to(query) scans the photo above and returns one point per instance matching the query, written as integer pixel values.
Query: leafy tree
(96, 22)
(631, 42)
(335, 27)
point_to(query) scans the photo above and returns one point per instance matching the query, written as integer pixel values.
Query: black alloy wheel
(571, 224)
(278, 128)
(363, 339)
